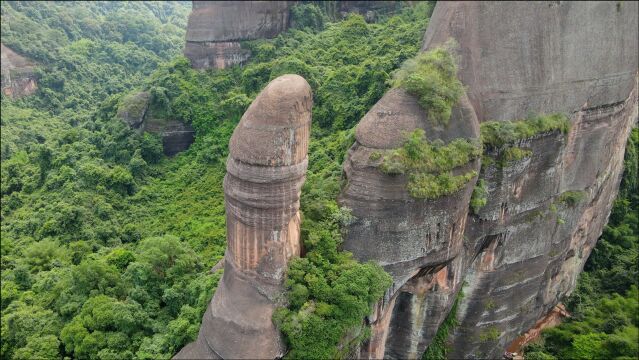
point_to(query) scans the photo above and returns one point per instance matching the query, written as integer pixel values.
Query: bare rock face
(216, 27)
(523, 251)
(265, 172)
(18, 74)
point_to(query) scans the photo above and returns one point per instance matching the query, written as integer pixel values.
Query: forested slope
(107, 245)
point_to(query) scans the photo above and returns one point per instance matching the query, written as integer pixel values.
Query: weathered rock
(216, 27)
(265, 172)
(525, 248)
(414, 240)
(133, 108)
(404, 236)
(135, 111)
(551, 56)
(18, 74)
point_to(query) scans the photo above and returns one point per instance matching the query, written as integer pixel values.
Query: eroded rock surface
(265, 172)
(523, 251)
(216, 27)
(18, 74)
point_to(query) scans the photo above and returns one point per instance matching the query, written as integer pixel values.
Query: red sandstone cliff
(265, 172)
(516, 256)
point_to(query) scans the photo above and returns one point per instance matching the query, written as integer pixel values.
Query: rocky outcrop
(265, 172)
(552, 319)
(136, 112)
(521, 252)
(18, 74)
(215, 29)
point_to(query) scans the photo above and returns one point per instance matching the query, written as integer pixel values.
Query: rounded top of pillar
(398, 113)
(274, 130)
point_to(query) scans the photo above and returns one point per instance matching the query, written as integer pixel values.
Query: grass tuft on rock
(432, 77)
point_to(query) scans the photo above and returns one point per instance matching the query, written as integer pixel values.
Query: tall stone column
(265, 172)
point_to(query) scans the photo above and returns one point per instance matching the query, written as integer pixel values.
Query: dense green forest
(107, 245)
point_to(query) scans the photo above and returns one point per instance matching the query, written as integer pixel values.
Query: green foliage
(490, 334)
(95, 220)
(329, 293)
(23, 324)
(503, 135)
(438, 348)
(432, 77)
(91, 50)
(572, 198)
(479, 198)
(539, 355)
(44, 347)
(605, 303)
(495, 134)
(429, 165)
(308, 16)
(427, 186)
(514, 154)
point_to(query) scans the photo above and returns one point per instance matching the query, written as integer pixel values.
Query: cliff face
(18, 74)
(216, 27)
(523, 251)
(265, 172)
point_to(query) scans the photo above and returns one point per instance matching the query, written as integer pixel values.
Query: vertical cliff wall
(18, 74)
(215, 28)
(523, 251)
(265, 172)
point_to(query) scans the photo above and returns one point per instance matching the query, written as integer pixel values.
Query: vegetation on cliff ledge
(501, 136)
(499, 133)
(439, 348)
(479, 198)
(429, 165)
(432, 77)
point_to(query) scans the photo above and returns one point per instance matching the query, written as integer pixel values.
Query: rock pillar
(265, 172)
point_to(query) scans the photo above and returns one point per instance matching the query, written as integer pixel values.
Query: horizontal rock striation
(522, 252)
(215, 28)
(18, 74)
(265, 172)
(414, 240)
